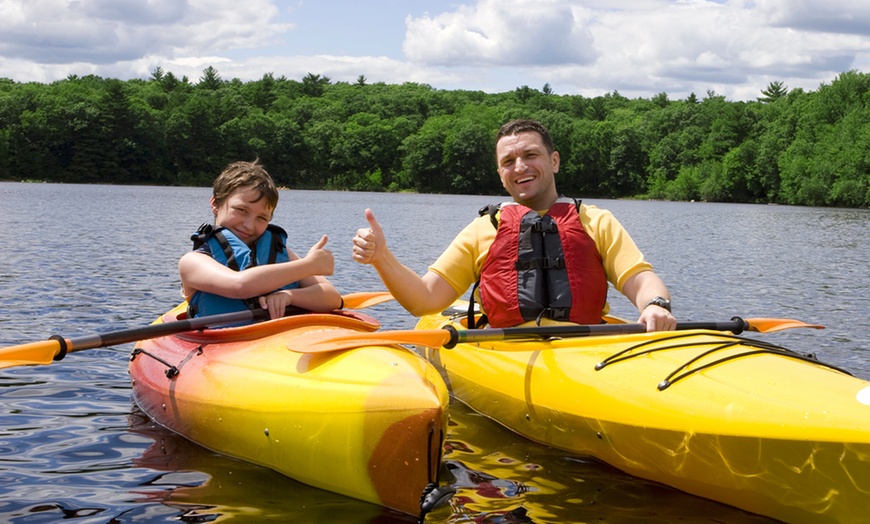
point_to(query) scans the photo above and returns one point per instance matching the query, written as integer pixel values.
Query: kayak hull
(766, 431)
(368, 423)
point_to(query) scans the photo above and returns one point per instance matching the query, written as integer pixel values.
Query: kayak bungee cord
(728, 341)
(171, 369)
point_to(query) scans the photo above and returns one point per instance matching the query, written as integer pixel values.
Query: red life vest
(542, 266)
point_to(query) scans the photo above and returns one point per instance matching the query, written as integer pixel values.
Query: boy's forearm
(261, 280)
(320, 297)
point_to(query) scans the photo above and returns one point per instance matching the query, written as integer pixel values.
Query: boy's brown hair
(244, 175)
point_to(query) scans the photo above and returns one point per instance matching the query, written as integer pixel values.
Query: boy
(243, 262)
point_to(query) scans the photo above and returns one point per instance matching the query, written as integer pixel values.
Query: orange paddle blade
(365, 299)
(33, 353)
(338, 339)
(770, 325)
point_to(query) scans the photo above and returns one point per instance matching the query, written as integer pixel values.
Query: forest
(789, 146)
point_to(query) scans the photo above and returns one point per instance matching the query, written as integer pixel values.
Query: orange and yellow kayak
(728, 418)
(368, 423)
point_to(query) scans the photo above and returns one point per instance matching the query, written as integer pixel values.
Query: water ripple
(74, 447)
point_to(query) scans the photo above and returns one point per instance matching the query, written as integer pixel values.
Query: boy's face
(245, 213)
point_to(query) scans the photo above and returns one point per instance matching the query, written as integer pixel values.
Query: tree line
(788, 146)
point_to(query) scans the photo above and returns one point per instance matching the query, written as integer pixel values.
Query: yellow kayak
(731, 419)
(368, 423)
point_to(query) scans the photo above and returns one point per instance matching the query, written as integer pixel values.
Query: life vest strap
(540, 263)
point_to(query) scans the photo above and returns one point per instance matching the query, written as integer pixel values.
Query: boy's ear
(214, 208)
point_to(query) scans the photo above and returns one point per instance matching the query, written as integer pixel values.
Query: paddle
(56, 347)
(448, 337)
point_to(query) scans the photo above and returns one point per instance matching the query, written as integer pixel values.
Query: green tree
(366, 145)
(791, 146)
(468, 160)
(775, 90)
(210, 79)
(263, 93)
(158, 74)
(422, 154)
(525, 94)
(314, 85)
(661, 100)
(194, 138)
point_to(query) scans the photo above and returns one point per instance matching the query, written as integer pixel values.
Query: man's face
(527, 170)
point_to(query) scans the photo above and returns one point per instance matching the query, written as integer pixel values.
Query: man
(544, 263)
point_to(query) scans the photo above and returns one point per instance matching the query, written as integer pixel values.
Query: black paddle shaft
(736, 325)
(125, 336)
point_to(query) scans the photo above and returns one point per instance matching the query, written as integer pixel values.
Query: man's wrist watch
(660, 302)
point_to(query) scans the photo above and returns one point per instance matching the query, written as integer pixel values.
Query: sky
(639, 48)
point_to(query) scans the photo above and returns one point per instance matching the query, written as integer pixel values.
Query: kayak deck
(747, 424)
(368, 423)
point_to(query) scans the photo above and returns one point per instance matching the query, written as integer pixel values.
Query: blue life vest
(231, 251)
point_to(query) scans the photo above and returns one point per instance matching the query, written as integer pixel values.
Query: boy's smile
(246, 213)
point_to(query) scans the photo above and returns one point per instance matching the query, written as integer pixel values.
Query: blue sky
(640, 48)
(347, 27)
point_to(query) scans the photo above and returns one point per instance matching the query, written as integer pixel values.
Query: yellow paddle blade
(338, 339)
(365, 299)
(771, 325)
(33, 353)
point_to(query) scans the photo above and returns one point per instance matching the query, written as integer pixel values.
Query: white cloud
(500, 32)
(831, 16)
(142, 12)
(589, 47)
(111, 31)
(688, 46)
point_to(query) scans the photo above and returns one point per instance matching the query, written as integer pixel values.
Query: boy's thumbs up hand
(322, 258)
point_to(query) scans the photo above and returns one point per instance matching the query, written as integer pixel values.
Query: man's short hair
(515, 127)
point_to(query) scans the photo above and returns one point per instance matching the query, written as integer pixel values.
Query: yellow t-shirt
(460, 264)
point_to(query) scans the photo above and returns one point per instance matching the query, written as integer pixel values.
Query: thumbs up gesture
(369, 242)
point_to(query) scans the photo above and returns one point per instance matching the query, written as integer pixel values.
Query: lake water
(88, 259)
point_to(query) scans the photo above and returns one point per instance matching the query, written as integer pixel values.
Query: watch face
(661, 302)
